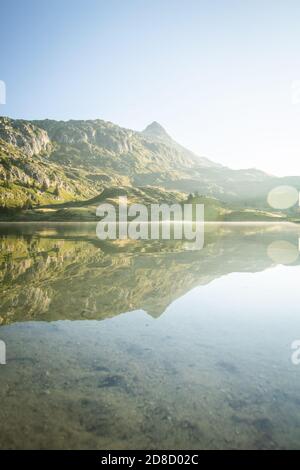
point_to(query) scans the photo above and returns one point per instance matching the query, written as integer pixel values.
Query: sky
(222, 76)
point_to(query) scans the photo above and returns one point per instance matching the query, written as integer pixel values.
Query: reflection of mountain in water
(48, 273)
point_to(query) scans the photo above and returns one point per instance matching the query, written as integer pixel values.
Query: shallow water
(148, 344)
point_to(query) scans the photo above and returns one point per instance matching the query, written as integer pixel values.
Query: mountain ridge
(47, 161)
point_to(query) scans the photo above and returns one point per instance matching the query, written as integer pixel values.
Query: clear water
(149, 345)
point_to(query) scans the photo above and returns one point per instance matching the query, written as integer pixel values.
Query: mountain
(46, 163)
(156, 132)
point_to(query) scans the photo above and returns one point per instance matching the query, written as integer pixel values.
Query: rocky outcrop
(30, 139)
(97, 133)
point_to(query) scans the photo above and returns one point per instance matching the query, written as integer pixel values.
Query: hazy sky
(217, 74)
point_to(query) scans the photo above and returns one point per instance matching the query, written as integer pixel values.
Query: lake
(149, 344)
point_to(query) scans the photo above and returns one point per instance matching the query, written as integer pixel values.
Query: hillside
(57, 169)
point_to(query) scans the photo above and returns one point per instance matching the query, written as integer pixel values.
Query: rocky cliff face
(30, 139)
(91, 134)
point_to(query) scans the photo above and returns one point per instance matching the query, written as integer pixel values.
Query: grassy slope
(85, 211)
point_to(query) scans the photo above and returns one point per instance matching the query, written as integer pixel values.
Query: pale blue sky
(217, 74)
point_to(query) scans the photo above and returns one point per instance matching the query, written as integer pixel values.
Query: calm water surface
(148, 344)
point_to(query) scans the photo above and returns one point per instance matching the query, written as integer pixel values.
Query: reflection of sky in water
(252, 315)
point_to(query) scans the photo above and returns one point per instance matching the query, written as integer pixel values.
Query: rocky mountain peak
(156, 130)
